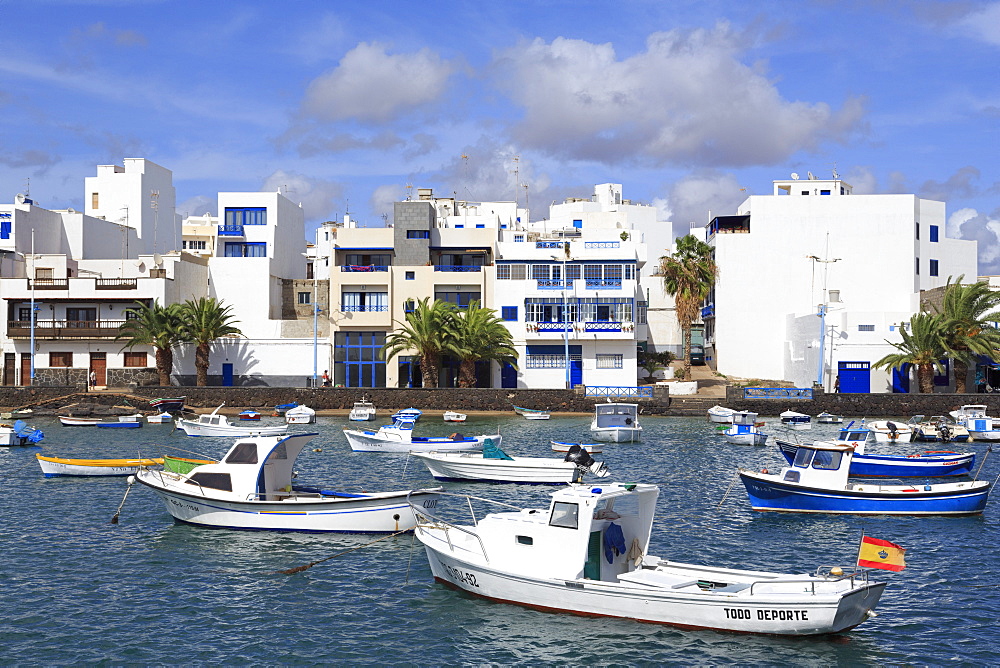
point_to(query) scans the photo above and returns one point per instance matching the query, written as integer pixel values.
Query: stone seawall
(864, 405)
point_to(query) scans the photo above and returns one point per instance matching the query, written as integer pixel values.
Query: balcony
(554, 284)
(363, 267)
(604, 326)
(230, 230)
(363, 308)
(457, 267)
(48, 284)
(549, 244)
(605, 284)
(601, 244)
(64, 329)
(116, 283)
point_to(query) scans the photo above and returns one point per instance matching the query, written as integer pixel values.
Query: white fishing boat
(532, 413)
(720, 414)
(744, 430)
(564, 446)
(586, 554)
(796, 420)
(60, 466)
(891, 431)
(72, 421)
(301, 414)
(981, 426)
(398, 437)
(616, 423)
(252, 487)
(452, 416)
(362, 411)
(160, 418)
(829, 418)
(213, 424)
(494, 465)
(406, 414)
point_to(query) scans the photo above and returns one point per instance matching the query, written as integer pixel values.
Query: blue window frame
(418, 234)
(356, 360)
(411, 275)
(578, 223)
(460, 299)
(254, 215)
(934, 233)
(248, 249)
(508, 313)
(480, 226)
(933, 268)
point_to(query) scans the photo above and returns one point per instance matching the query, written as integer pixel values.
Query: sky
(349, 106)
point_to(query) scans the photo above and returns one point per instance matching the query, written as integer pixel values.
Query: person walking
(93, 378)
(326, 378)
(836, 384)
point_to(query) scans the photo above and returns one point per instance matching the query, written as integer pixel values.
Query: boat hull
(376, 513)
(465, 467)
(776, 615)
(616, 434)
(750, 438)
(195, 429)
(896, 466)
(767, 493)
(167, 405)
(564, 446)
(370, 441)
(53, 467)
(68, 421)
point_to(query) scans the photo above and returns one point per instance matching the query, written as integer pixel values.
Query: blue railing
(608, 284)
(554, 326)
(363, 267)
(363, 308)
(601, 244)
(230, 230)
(549, 244)
(554, 284)
(457, 267)
(602, 326)
(777, 393)
(618, 392)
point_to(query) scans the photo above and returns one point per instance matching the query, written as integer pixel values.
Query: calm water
(79, 589)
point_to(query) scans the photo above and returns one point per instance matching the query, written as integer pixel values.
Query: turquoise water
(79, 589)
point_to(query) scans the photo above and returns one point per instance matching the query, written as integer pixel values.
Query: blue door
(575, 372)
(227, 374)
(508, 376)
(855, 377)
(901, 379)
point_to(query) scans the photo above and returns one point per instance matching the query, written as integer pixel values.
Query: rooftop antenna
(835, 174)
(517, 179)
(409, 192)
(154, 196)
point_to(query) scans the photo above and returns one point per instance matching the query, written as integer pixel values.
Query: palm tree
(478, 334)
(968, 311)
(425, 332)
(688, 275)
(922, 346)
(158, 326)
(205, 320)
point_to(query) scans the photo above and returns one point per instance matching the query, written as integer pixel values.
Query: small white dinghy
(452, 416)
(586, 554)
(795, 420)
(398, 437)
(564, 446)
(300, 415)
(494, 465)
(720, 414)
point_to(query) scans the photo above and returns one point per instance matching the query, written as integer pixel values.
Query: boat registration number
(460, 576)
(768, 615)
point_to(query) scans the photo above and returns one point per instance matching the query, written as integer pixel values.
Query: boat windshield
(565, 515)
(827, 460)
(802, 458)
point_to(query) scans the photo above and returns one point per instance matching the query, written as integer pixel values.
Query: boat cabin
(744, 422)
(856, 436)
(587, 532)
(820, 464)
(258, 468)
(615, 415)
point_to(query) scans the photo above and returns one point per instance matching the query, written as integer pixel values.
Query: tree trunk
(429, 371)
(201, 361)
(961, 372)
(164, 365)
(686, 349)
(467, 373)
(925, 378)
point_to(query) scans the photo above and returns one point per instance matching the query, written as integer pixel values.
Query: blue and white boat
(981, 427)
(398, 437)
(863, 465)
(794, 420)
(407, 414)
(281, 409)
(744, 430)
(817, 482)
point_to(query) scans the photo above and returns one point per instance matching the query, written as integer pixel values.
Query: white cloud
(982, 24)
(317, 196)
(697, 198)
(198, 205)
(370, 85)
(384, 198)
(985, 229)
(686, 99)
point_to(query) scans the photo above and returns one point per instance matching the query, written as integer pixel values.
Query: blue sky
(690, 105)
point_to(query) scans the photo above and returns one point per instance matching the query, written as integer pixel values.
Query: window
(237, 217)
(866, 328)
(509, 313)
(94, 199)
(540, 272)
(460, 299)
(608, 361)
(480, 226)
(564, 515)
(60, 359)
(572, 272)
(212, 481)
(364, 302)
(518, 238)
(418, 234)
(24, 314)
(578, 223)
(546, 361)
(917, 264)
(194, 245)
(243, 453)
(640, 308)
(135, 360)
(410, 275)
(917, 226)
(305, 298)
(525, 540)
(592, 272)
(368, 259)
(409, 305)
(932, 267)
(824, 192)
(248, 249)
(826, 460)
(934, 233)
(517, 272)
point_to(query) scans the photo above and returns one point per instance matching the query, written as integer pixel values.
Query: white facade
(139, 194)
(814, 246)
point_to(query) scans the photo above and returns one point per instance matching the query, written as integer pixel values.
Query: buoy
(317, 449)
(836, 570)
(763, 470)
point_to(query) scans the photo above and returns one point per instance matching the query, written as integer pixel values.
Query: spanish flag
(878, 553)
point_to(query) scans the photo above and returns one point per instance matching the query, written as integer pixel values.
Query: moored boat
(616, 423)
(829, 418)
(160, 418)
(532, 413)
(214, 424)
(564, 446)
(720, 414)
(407, 414)
(300, 415)
(939, 429)
(398, 437)
(73, 421)
(795, 420)
(587, 554)
(981, 427)
(281, 409)
(252, 487)
(61, 466)
(817, 482)
(249, 415)
(453, 416)
(891, 431)
(168, 405)
(744, 430)
(496, 466)
(362, 411)
(19, 434)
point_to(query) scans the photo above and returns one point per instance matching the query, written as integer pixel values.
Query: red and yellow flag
(878, 553)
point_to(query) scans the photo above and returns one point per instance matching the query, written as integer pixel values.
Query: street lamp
(823, 308)
(565, 314)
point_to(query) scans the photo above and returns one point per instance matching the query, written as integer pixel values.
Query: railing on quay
(618, 392)
(777, 393)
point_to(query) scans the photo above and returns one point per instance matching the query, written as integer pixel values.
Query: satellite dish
(795, 176)
(810, 176)
(157, 260)
(19, 198)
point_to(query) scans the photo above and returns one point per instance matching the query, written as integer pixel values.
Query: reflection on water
(79, 589)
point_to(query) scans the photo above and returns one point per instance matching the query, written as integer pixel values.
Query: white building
(811, 247)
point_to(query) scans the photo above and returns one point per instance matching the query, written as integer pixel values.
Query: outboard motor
(584, 463)
(893, 432)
